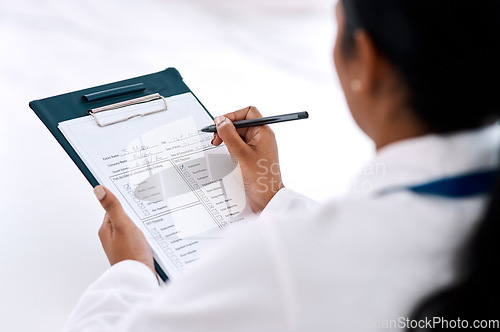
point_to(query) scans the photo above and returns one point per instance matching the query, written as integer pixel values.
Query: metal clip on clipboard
(125, 103)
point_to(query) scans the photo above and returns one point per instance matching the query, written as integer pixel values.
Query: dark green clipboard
(76, 104)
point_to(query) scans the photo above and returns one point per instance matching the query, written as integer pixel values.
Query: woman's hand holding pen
(257, 153)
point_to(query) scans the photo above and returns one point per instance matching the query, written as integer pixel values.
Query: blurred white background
(275, 54)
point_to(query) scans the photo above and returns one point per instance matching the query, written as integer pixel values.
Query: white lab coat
(349, 265)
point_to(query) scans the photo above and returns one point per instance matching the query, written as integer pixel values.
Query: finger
(250, 112)
(227, 133)
(216, 140)
(114, 210)
(105, 230)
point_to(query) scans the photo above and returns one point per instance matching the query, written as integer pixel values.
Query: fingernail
(220, 119)
(212, 142)
(99, 192)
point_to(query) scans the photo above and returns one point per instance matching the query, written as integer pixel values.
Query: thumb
(228, 134)
(112, 206)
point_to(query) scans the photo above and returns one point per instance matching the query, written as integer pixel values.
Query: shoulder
(394, 249)
(330, 266)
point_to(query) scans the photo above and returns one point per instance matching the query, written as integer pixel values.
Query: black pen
(260, 121)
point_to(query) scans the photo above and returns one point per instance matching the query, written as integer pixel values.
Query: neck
(384, 141)
(398, 126)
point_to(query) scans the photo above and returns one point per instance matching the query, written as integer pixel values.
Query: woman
(420, 80)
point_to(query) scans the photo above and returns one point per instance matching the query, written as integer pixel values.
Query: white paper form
(178, 188)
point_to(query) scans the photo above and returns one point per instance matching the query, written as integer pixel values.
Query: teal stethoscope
(459, 186)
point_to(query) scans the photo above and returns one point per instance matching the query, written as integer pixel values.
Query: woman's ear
(376, 75)
(367, 67)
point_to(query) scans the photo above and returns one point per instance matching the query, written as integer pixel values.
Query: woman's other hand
(121, 239)
(257, 153)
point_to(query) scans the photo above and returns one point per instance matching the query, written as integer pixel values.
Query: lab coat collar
(427, 158)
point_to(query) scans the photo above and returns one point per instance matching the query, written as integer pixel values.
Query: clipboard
(54, 110)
